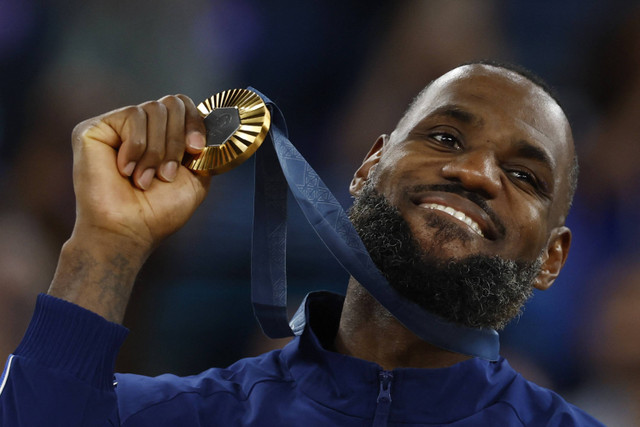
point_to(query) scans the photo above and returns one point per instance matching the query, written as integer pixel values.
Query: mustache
(469, 195)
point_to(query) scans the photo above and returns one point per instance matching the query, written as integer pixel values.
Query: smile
(456, 214)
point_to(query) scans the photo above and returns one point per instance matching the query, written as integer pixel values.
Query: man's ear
(554, 257)
(372, 158)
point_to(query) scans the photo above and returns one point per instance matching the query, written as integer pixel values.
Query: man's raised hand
(127, 173)
(131, 192)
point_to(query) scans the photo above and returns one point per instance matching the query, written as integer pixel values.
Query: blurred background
(343, 72)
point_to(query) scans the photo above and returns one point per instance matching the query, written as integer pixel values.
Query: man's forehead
(493, 84)
(500, 89)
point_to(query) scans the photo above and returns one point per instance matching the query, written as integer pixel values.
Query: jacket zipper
(384, 399)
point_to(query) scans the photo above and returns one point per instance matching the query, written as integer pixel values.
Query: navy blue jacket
(61, 375)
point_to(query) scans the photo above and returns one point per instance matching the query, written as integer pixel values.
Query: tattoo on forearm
(114, 289)
(101, 286)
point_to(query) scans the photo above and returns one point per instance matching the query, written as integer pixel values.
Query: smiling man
(462, 208)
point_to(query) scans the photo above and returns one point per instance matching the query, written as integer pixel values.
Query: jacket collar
(351, 385)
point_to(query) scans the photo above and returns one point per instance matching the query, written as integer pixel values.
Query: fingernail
(145, 179)
(196, 140)
(128, 170)
(169, 170)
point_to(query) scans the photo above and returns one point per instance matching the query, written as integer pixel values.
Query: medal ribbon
(279, 166)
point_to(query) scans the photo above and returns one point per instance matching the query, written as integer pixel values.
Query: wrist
(106, 245)
(97, 272)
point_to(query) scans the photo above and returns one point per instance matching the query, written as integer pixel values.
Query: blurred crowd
(342, 72)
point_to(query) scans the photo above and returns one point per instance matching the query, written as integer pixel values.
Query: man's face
(481, 160)
(477, 170)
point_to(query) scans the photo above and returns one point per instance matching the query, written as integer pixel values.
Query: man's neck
(368, 331)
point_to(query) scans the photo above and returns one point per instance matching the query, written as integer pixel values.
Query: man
(462, 207)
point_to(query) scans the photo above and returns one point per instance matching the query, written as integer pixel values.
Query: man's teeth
(457, 214)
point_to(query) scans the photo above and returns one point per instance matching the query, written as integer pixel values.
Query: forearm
(98, 274)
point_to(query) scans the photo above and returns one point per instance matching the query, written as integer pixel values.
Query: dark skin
(132, 192)
(497, 135)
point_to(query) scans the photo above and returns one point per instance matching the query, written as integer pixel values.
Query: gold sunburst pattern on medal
(245, 140)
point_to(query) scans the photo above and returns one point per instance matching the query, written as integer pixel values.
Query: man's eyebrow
(457, 113)
(527, 150)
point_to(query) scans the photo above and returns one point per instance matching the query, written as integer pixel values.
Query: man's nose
(477, 171)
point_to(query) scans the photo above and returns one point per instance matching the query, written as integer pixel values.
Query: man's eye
(447, 139)
(527, 177)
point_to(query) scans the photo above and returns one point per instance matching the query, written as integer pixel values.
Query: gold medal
(237, 122)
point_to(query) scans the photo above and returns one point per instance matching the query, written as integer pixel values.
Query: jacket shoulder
(536, 405)
(215, 390)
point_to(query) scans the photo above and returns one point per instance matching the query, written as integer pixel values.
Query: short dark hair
(548, 89)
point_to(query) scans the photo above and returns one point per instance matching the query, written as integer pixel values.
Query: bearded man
(462, 208)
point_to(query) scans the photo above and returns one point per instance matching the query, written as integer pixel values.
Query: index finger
(195, 131)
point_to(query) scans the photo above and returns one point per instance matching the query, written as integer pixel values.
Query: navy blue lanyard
(279, 166)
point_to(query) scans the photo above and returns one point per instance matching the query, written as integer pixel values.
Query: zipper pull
(383, 406)
(384, 396)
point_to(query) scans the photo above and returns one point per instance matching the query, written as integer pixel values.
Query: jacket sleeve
(61, 374)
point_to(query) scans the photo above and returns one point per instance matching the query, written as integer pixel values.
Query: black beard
(475, 291)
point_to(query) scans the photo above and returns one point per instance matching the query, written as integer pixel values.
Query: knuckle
(188, 103)
(175, 108)
(80, 129)
(171, 102)
(131, 114)
(131, 111)
(137, 145)
(154, 108)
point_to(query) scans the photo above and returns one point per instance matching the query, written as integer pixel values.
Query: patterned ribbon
(279, 166)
